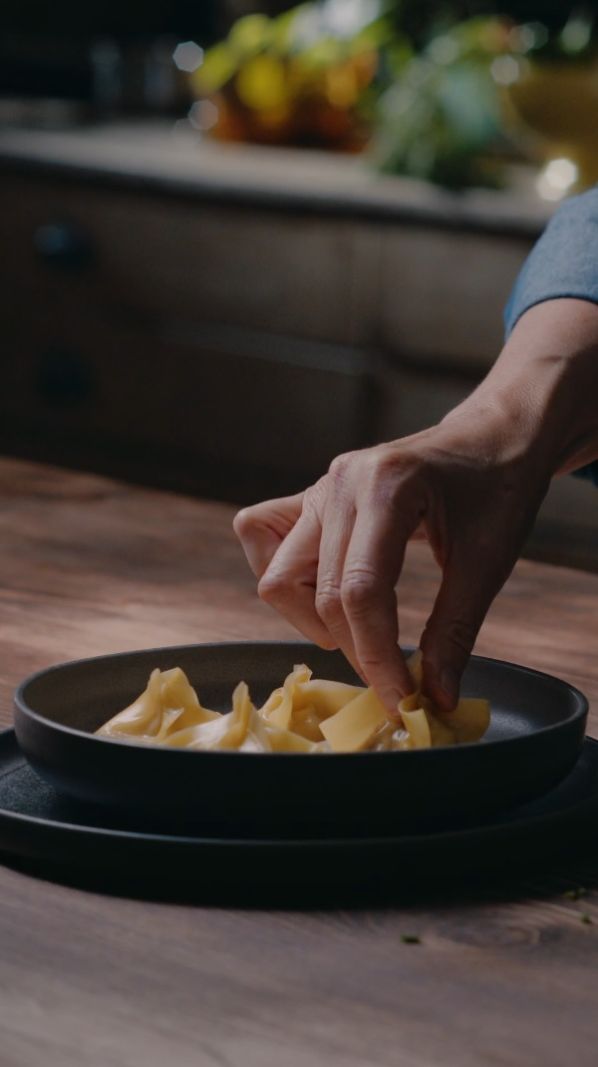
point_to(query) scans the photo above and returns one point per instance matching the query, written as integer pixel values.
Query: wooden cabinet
(159, 257)
(222, 342)
(443, 295)
(228, 321)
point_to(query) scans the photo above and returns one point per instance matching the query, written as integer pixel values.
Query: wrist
(502, 425)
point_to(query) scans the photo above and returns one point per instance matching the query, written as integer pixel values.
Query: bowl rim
(22, 707)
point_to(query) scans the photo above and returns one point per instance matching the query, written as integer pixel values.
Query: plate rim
(579, 713)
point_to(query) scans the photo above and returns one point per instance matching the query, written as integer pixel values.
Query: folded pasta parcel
(304, 715)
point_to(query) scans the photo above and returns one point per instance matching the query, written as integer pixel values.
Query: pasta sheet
(309, 715)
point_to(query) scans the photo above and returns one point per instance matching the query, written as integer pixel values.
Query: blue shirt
(564, 263)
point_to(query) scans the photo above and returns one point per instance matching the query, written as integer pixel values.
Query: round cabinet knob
(64, 378)
(64, 246)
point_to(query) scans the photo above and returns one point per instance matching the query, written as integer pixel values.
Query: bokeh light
(505, 70)
(557, 178)
(188, 56)
(203, 115)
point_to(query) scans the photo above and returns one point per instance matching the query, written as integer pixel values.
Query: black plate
(91, 846)
(535, 737)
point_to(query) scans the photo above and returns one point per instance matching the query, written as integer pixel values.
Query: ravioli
(304, 715)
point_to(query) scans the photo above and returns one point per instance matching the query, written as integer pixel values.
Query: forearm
(540, 399)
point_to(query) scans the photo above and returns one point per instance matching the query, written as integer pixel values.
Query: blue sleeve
(564, 263)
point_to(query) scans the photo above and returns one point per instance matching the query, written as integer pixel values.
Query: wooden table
(89, 566)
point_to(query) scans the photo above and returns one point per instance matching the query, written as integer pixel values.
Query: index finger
(373, 565)
(289, 583)
(262, 528)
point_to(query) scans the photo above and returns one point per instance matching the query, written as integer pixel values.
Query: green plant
(441, 117)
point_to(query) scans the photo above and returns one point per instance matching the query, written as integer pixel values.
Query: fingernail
(329, 644)
(390, 699)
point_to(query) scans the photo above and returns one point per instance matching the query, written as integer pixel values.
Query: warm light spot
(342, 88)
(557, 178)
(261, 83)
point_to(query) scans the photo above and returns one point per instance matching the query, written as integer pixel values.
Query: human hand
(329, 559)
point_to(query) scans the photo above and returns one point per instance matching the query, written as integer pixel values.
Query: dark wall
(417, 16)
(119, 18)
(44, 47)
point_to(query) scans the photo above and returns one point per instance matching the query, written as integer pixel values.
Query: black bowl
(535, 737)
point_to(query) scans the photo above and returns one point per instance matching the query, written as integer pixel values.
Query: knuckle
(359, 589)
(310, 497)
(314, 495)
(371, 663)
(384, 463)
(244, 522)
(339, 466)
(328, 601)
(272, 588)
(391, 473)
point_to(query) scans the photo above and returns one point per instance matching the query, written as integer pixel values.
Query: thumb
(466, 593)
(262, 528)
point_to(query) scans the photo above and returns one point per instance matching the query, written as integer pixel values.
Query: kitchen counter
(89, 566)
(163, 156)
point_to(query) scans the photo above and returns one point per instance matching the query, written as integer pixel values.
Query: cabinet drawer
(226, 396)
(159, 256)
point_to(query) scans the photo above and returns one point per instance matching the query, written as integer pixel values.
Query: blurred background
(243, 237)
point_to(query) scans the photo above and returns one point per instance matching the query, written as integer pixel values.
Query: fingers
(372, 567)
(262, 528)
(289, 583)
(329, 559)
(339, 518)
(468, 588)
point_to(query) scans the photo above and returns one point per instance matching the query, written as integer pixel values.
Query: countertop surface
(170, 157)
(89, 566)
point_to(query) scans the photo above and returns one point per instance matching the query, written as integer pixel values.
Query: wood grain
(89, 566)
